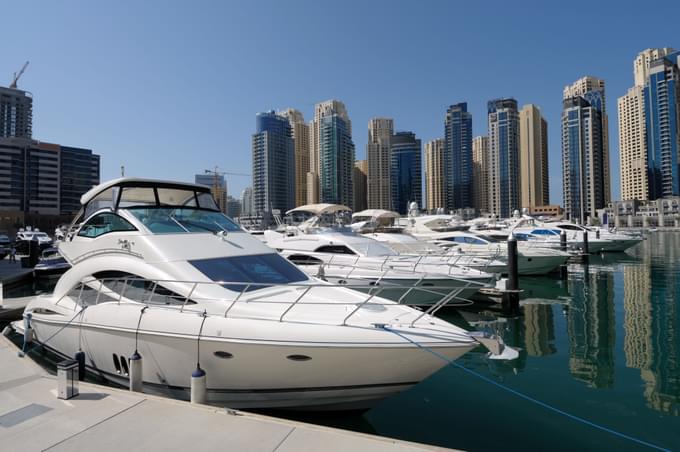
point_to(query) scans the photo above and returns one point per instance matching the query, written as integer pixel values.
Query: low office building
(41, 183)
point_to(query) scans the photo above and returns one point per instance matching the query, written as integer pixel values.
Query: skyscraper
(662, 126)
(592, 90)
(480, 173)
(633, 151)
(360, 185)
(458, 156)
(644, 60)
(301, 139)
(435, 194)
(533, 157)
(405, 171)
(380, 132)
(504, 194)
(16, 113)
(273, 164)
(331, 159)
(583, 159)
(632, 145)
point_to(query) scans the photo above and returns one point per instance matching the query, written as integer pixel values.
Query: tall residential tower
(458, 156)
(405, 172)
(380, 132)
(585, 162)
(300, 132)
(533, 157)
(504, 188)
(331, 159)
(273, 165)
(435, 194)
(480, 173)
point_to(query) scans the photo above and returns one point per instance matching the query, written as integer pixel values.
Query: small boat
(26, 235)
(51, 264)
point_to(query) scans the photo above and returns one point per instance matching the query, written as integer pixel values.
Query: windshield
(259, 268)
(373, 248)
(170, 220)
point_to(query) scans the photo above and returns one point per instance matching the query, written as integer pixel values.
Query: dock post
(33, 252)
(136, 372)
(563, 240)
(28, 329)
(511, 297)
(585, 243)
(79, 357)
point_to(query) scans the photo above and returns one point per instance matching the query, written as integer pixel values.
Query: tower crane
(216, 188)
(17, 76)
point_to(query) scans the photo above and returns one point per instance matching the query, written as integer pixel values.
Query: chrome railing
(186, 296)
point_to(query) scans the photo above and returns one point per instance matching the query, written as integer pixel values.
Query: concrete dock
(101, 418)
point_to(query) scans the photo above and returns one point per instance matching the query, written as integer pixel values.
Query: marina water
(603, 345)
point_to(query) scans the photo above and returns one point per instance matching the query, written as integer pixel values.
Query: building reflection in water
(539, 329)
(591, 327)
(652, 325)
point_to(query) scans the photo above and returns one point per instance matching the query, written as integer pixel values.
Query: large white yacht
(157, 269)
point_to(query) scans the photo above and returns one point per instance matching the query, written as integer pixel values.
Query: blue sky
(169, 89)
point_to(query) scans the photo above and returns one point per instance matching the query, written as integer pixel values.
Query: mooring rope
(527, 397)
(40, 344)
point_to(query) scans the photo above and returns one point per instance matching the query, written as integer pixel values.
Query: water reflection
(591, 327)
(652, 323)
(539, 330)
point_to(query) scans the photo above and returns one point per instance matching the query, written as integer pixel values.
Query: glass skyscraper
(458, 157)
(405, 171)
(662, 125)
(336, 161)
(273, 165)
(583, 156)
(503, 176)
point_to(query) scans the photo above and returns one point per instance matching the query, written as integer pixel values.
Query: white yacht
(548, 234)
(531, 260)
(158, 270)
(383, 226)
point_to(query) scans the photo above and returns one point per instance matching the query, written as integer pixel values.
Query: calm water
(603, 345)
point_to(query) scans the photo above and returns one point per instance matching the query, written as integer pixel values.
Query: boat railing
(406, 263)
(168, 294)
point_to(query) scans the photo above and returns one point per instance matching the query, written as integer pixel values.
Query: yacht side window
(335, 249)
(104, 223)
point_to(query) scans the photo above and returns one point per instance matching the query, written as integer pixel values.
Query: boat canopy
(320, 209)
(375, 213)
(130, 192)
(139, 183)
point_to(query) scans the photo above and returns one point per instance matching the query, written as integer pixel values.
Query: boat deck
(106, 419)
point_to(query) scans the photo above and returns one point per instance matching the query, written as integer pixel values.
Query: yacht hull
(255, 375)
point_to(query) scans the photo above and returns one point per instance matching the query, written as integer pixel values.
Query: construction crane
(217, 189)
(13, 85)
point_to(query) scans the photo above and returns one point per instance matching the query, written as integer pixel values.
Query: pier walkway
(106, 419)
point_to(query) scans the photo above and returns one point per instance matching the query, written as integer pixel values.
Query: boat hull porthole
(223, 355)
(298, 357)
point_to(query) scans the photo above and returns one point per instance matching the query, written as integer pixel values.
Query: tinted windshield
(167, 220)
(373, 248)
(261, 268)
